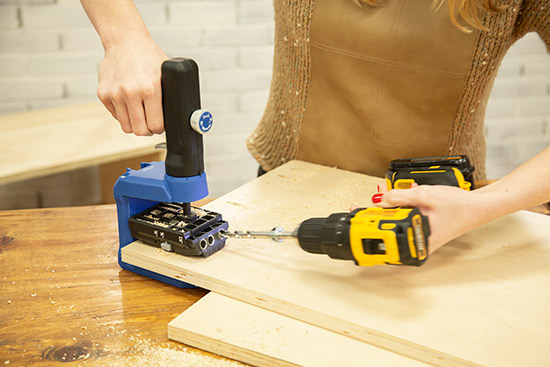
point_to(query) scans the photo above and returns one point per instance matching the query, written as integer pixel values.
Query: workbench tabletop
(64, 297)
(54, 140)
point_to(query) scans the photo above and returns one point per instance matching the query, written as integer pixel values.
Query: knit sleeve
(534, 16)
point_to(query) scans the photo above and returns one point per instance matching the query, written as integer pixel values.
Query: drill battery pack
(167, 227)
(445, 170)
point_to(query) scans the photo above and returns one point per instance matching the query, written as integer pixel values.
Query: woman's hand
(129, 76)
(129, 83)
(451, 211)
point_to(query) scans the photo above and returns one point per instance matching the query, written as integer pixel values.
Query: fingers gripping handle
(180, 99)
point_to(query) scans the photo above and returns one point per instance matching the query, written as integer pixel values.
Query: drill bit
(276, 234)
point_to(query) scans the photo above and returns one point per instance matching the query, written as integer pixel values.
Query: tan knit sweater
(276, 138)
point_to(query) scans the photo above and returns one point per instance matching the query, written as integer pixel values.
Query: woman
(357, 83)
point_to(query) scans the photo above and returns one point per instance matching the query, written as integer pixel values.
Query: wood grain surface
(64, 298)
(264, 338)
(480, 300)
(54, 140)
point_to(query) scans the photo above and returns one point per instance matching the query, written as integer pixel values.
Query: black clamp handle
(180, 102)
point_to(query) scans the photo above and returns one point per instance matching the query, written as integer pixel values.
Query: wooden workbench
(63, 296)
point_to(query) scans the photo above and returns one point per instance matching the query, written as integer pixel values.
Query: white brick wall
(200, 12)
(517, 123)
(50, 55)
(53, 17)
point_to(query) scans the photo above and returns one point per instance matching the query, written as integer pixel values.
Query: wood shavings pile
(148, 355)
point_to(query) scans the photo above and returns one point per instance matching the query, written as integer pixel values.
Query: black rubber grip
(180, 98)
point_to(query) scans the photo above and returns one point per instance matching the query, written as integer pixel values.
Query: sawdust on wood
(147, 355)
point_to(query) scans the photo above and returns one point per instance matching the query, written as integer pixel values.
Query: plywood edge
(222, 348)
(186, 328)
(142, 255)
(272, 338)
(210, 311)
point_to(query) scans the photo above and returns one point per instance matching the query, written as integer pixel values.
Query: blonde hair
(469, 11)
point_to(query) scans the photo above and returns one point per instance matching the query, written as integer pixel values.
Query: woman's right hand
(129, 83)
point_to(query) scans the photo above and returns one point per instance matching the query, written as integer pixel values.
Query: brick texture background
(50, 55)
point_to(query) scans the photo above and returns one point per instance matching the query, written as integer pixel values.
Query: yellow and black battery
(444, 170)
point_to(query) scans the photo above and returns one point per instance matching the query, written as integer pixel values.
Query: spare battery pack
(444, 170)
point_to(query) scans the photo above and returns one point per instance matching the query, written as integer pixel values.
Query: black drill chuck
(328, 235)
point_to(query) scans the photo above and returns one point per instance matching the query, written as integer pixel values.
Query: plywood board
(251, 334)
(54, 140)
(482, 299)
